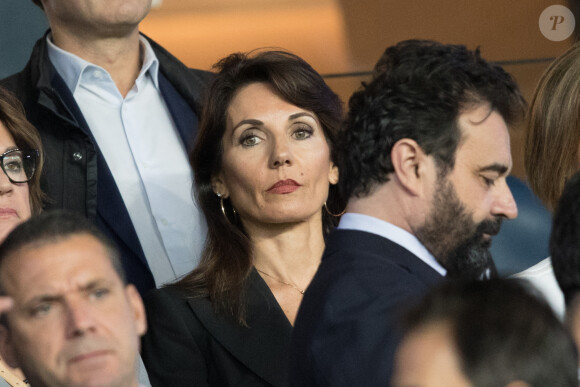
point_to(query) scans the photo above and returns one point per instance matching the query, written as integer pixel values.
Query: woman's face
(276, 164)
(14, 198)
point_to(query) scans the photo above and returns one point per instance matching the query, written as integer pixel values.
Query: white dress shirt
(147, 159)
(360, 222)
(542, 278)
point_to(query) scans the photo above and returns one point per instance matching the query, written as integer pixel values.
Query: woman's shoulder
(173, 298)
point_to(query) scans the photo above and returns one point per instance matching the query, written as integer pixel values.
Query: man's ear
(138, 309)
(7, 347)
(410, 164)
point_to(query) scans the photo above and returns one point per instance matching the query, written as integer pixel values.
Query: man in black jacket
(117, 115)
(425, 156)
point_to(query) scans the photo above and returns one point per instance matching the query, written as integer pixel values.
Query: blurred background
(342, 39)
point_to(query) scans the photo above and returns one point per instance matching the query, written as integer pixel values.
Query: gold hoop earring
(219, 195)
(223, 208)
(331, 214)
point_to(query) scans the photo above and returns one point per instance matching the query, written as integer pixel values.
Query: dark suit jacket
(346, 329)
(187, 344)
(76, 176)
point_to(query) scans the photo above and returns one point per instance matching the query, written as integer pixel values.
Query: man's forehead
(81, 256)
(485, 136)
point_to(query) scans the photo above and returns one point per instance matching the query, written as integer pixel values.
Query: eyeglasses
(19, 165)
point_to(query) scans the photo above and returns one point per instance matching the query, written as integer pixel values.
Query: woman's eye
(302, 133)
(250, 140)
(13, 165)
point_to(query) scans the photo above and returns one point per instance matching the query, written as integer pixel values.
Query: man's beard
(454, 239)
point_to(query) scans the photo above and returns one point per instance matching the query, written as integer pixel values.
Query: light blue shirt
(147, 159)
(360, 222)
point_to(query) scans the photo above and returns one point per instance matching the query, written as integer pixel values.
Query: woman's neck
(289, 252)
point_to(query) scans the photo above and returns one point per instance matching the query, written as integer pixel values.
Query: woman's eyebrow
(250, 121)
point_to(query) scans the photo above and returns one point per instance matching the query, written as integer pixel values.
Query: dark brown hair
(501, 333)
(227, 256)
(52, 227)
(25, 136)
(418, 90)
(552, 134)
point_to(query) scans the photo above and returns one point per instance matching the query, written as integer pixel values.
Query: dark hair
(52, 227)
(501, 332)
(418, 90)
(565, 240)
(226, 259)
(25, 136)
(552, 133)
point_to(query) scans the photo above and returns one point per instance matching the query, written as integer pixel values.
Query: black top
(346, 329)
(187, 344)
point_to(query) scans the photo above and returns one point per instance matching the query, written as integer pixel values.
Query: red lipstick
(284, 187)
(8, 212)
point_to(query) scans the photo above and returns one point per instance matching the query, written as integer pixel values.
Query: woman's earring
(219, 195)
(331, 214)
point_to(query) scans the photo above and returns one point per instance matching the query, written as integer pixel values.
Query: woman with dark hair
(20, 194)
(264, 177)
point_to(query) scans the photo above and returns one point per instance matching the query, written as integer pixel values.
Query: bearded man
(425, 155)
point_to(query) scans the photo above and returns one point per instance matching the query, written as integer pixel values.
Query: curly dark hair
(226, 259)
(418, 90)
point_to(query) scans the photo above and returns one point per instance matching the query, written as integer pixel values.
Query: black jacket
(76, 176)
(188, 344)
(346, 332)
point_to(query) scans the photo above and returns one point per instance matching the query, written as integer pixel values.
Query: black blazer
(187, 344)
(346, 329)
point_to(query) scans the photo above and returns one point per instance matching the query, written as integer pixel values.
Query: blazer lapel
(183, 115)
(263, 346)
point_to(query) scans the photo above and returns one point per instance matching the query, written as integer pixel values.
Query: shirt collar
(150, 61)
(352, 221)
(70, 67)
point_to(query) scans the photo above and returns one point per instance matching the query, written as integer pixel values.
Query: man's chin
(470, 263)
(485, 241)
(95, 373)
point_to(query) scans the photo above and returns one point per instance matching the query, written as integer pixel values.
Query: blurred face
(94, 17)
(74, 323)
(471, 200)
(276, 164)
(427, 358)
(14, 198)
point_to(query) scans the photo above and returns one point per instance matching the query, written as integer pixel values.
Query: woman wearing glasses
(21, 163)
(20, 194)
(265, 171)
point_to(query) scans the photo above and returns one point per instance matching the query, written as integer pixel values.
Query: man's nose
(504, 204)
(79, 318)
